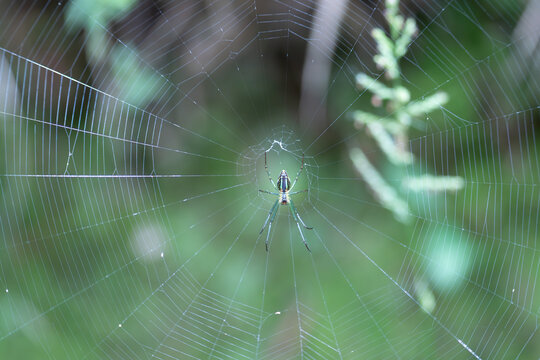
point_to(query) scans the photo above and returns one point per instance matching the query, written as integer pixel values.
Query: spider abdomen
(283, 185)
(283, 182)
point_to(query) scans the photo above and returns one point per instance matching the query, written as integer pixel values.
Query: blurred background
(133, 136)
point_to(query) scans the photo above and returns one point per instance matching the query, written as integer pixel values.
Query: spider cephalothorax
(284, 186)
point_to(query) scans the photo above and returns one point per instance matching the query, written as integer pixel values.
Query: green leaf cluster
(390, 131)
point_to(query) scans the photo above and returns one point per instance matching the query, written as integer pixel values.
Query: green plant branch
(386, 195)
(390, 132)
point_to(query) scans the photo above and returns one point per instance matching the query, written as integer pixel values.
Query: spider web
(132, 152)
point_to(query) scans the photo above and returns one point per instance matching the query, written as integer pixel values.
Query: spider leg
(268, 172)
(268, 192)
(271, 216)
(270, 226)
(298, 173)
(296, 192)
(296, 217)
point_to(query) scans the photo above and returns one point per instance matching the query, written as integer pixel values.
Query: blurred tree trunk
(318, 63)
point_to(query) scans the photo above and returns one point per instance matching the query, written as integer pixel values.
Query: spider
(284, 187)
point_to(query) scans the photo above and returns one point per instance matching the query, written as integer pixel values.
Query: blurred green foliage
(391, 131)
